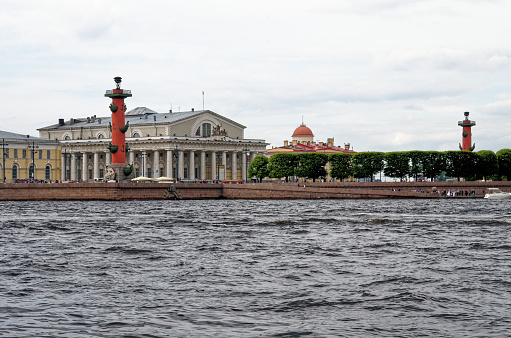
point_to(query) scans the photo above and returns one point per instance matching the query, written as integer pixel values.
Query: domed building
(303, 134)
(302, 140)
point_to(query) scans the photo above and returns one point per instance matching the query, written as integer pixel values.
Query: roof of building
(302, 130)
(306, 148)
(9, 136)
(136, 116)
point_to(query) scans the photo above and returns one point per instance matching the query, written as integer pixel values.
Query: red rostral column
(467, 133)
(118, 127)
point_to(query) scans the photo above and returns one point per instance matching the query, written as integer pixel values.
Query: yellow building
(25, 157)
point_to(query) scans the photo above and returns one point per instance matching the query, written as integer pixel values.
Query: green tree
(259, 167)
(461, 164)
(487, 164)
(282, 165)
(367, 164)
(433, 163)
(397, 164)
(504, 159)
(311, 165)
(340, 165)
(416, 163)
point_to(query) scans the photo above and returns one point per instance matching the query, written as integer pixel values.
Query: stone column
(156, 164)
(252, 156)
(213, 165)
(63, 167)
(234, 165)
(108, 157)
(144, 164)
(85, 170)
(73, 167)
(96, 164)
(132, 157)
(203, 165)
(224, 164)
(244, 166)
(191, 169)
(169, 163)
(181, 165)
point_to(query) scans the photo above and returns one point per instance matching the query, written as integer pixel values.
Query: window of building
(136, 135)
(197, 133)
(185, 174)
(24, 153)
(40, 154)
(67, 138)
(14, 172)
(48, 154)
(31, 171)
(90, 174)
(101, 136)
(15, 153)
(137, 172)
(6, 153)
(101, 172)
(47, 173)
(206, 129)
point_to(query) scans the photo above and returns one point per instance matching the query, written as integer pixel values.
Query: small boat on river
(497, 194)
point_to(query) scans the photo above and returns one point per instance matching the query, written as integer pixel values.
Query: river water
(232, 268)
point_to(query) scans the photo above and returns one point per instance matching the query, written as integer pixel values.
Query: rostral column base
(118, 169)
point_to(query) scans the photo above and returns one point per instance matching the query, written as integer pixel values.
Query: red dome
(303, 131)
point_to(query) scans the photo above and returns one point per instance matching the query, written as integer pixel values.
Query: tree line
(484, 164)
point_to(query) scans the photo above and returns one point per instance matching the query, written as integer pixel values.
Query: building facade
(302, 141)
(191, 145)
(29, 158)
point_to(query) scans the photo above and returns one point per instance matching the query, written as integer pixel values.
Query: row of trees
(484, 164)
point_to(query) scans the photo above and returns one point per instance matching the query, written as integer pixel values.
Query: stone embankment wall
(158, 191)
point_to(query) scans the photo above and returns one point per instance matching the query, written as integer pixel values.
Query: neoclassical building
(191, 145)
(303, 141)
(26, 157)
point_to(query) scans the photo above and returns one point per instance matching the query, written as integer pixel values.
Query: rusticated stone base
(118, 169)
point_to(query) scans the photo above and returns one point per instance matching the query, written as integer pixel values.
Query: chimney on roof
(61, 122)
(346, 146)
(170, 111)
(330, 141)
(286, 143)
(193, 109)
(71, 121)
(99, 120)
(88, 119)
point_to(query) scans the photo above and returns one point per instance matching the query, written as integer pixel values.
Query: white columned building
(204, 140)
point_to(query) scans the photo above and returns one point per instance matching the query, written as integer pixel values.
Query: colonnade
(175, 163)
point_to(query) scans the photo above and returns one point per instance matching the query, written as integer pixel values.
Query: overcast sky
(383, 75)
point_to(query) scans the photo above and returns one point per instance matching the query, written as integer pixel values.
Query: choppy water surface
(256, 268)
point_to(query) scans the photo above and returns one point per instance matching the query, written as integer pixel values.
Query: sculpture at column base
(119, 172)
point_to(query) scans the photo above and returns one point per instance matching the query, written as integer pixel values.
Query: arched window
(47, 173)
(14, 172)
(67, 138)
(101, 136)
(136, 135)
(204, 130)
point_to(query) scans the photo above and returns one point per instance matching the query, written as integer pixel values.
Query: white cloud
(382, 75)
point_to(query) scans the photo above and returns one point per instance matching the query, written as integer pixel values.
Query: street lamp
(79, 159)
(176, 157)
(218, 166)
(3, 155)
(246, 151)
(33, 147)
